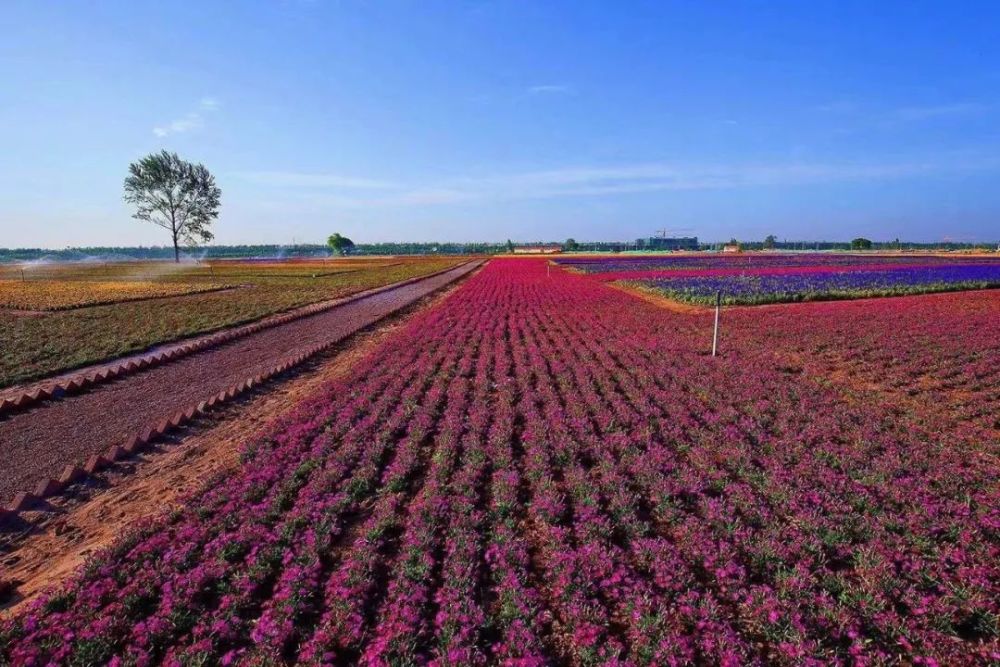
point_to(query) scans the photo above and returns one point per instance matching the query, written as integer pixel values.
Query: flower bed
(543, 470)
(814, 284)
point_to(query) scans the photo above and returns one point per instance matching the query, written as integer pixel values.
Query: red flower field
(545, 470)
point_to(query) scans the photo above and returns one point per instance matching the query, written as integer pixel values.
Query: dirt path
(41, 441)
(662, 301)
(54, 543)
(51, 382)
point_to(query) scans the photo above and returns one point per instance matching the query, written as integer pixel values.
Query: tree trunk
(174, 234)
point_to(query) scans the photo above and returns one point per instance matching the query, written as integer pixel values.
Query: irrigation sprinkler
(715, 333)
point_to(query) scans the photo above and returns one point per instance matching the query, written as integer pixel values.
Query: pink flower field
(545, 470)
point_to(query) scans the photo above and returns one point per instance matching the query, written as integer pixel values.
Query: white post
(715, 333)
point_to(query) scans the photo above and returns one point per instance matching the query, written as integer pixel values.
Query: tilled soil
(40, 442)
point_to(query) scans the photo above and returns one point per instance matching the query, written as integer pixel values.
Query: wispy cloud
(589, 181)
(904, 114)
(192, 120)
(311, 180)
(432, 195)
(517, 95)
(639, 178)
(838, 107)
(940, 111)
(551, 89)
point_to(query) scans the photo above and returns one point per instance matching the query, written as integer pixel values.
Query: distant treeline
(846, 245)
(99, 253)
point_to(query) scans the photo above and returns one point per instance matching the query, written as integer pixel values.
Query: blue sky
(426, 120)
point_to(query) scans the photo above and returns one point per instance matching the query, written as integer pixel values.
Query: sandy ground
(50, 544)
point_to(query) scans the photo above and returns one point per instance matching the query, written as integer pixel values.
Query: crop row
(541, 470)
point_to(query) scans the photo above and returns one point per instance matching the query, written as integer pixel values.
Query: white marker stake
(715, 334)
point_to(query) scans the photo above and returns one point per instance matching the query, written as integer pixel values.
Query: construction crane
(678, 233)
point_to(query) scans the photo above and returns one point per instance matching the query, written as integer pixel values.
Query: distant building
(667, 243)
(731, 247)
(541, 249)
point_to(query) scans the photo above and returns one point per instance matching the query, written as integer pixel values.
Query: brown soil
(662, 301)
(54, 541)
(17, 312)
(39, 443)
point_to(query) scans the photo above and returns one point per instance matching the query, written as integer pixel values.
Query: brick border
(75, 472)
(85, 379)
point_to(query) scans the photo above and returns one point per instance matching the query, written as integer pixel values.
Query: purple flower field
(783, 286)
(755, 261)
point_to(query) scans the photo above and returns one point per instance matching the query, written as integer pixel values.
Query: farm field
(39, 443)
(47, 295)
(934, 354)
(762, 279)
(500, 334)
(37, 344)
(545, 470)
(164, 272)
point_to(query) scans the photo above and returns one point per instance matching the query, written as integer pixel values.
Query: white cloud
(192, 120)
(311, 180)
(939, 111)
(838, 107)
(584, 181)
(551, 89)
(189, 122)
(433, 195)
(907, 114)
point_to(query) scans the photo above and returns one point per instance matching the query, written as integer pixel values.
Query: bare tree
(179, 196)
